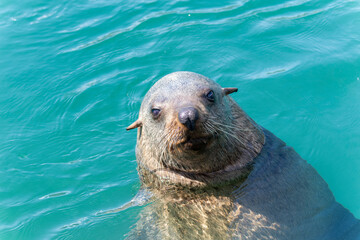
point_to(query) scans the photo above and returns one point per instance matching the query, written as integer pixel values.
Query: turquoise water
(73, 74)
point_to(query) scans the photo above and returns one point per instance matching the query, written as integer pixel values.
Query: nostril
(190, 125)
(188, 117)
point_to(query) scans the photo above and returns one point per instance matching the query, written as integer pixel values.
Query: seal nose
(188, 117)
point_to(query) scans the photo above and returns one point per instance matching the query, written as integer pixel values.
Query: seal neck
(164, 177)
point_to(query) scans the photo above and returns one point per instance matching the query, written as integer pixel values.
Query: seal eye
(210, 96)
(155, 112)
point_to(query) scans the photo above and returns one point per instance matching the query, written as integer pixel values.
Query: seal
(215, 174)
(192, 133)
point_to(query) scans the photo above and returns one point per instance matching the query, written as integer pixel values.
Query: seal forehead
(184, 78)
(183, 81)
(187, 83)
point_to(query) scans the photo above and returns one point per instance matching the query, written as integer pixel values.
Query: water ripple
(272, 71)
(190, 22)
(114, 33)
(55, 195)
(51, 13)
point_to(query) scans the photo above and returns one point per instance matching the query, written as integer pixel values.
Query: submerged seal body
(215, 174)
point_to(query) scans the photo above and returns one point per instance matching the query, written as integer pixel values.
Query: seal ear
(135, 124)
(228, 91)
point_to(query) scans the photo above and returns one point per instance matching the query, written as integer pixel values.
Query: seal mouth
(195, 143)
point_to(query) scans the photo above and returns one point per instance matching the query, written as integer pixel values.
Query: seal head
(191, 132)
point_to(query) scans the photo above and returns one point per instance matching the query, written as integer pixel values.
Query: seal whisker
(230, 125)
(227, 133)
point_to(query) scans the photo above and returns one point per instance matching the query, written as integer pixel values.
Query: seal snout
(188, 117)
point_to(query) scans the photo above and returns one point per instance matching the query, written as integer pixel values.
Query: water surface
(73, 74)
